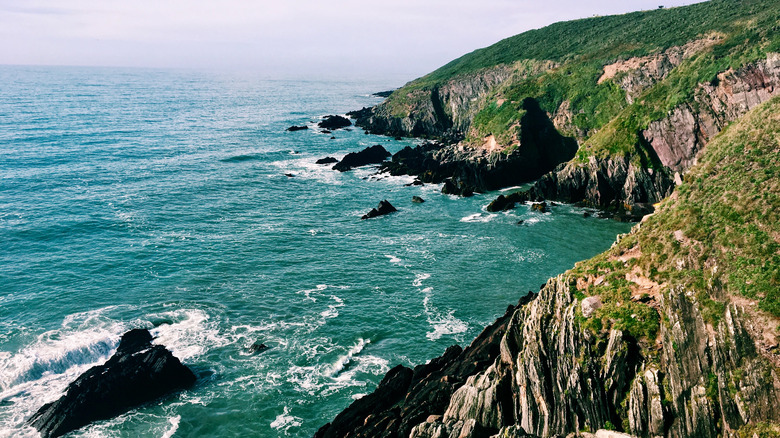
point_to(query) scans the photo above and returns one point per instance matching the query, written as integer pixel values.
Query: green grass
(604, 121)
(725, 215)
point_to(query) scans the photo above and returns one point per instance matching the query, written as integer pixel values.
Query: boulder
(334, 122)
(297, 128)
(417, 199)
(590, 305)
(541, 207)
(137, 373)
(326, 160)
(371, 155)
(383, 208)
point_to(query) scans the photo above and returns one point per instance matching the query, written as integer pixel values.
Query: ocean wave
(345, 360)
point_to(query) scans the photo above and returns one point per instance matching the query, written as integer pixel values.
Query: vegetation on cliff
(717, 235)
(565, 67)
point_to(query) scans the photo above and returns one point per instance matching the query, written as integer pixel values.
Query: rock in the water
(258, 347)
(418, 199)
(137, 373)
(334, 122)
(541, 207)
(289, 175)
(326, 160)
(371, 155)
(297, 128)
(383, 208)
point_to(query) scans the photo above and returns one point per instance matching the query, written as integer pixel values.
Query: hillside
(640, 94)
(672, 332)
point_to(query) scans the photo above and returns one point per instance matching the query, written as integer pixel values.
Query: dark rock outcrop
(383, 208)
(370, 155)
(326, 160)
(417, 199)
(334, 122)
(406, 398)
(297, 128)
(471, 169)
(137, 373)
(383, 93)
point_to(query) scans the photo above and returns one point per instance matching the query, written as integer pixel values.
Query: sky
(350, 38)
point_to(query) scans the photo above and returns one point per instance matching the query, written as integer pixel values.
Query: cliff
(636, 95)
(672, 332)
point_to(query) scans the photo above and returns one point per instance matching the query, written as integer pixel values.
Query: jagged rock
(137, 373)
(417, 199)
(539, 149)
(541, 207)
(326, 160)
(297, 128)
(289, 175)
(383, 208)
(459, 188)
(370, 155)
(334, 122)
(390, 414)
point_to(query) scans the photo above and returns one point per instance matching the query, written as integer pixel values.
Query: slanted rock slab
(137, 373)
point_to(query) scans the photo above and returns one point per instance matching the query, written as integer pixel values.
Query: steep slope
(672, 332)
(640, 93)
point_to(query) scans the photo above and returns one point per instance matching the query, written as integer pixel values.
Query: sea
(158, 199)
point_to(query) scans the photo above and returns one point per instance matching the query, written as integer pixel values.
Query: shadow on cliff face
(540, 136)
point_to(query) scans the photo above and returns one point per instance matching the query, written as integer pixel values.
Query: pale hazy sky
(320, 37)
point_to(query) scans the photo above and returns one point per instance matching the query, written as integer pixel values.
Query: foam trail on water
(443, 323)
(285, 421)
(174, 426)
(345, 360)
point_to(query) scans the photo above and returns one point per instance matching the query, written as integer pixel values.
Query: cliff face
(668, 147)
(673, 332)
(442, 111)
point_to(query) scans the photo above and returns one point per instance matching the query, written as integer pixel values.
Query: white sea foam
(393, 259)
(443, 324)
(345, 360)
(479, 217)
(333, 311)
(174, 421)
(285, 421)
(419, 278)
(190, 335)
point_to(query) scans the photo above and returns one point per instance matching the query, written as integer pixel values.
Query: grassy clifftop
(717, 236)
(568, 62)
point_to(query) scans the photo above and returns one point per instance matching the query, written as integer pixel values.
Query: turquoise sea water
(135, 198)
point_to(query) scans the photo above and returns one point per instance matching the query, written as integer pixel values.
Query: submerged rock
(326, 160)
(371, 155)
(334, 122)
(383, 208)
(417, 199)
(137, 373)
(297, 128)
(258, 347)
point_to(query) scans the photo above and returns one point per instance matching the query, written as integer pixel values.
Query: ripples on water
(133, 198)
